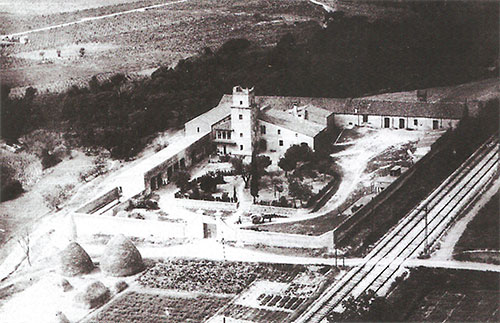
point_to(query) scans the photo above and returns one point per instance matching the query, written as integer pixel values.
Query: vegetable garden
(216, 276)
(142, 307)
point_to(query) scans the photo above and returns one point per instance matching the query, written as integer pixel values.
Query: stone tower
(244, 121)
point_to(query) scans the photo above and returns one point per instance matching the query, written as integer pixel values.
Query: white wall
(195, 126)
(274, 239)
(242, 130)
(345, 120)
(289, 137)
(88, 225)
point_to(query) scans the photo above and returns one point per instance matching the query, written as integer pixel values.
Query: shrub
(94, 295)
(120, 286)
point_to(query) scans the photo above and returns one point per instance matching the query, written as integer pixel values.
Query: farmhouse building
(243, 122)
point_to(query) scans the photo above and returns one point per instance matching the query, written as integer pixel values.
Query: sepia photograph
(249, 161)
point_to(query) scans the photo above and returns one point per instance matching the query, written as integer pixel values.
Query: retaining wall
(267, 209)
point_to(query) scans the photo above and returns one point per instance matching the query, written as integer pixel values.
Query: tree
(208, 183)
(58, 196)
(254, 170)
(286, 165)
(181, 180)
(368, 307)
(299, 190)
(299, 153)
(24, 242)
(261, 163)
(242, 169)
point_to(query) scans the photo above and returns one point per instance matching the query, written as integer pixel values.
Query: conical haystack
(121, 257)
(74, 260)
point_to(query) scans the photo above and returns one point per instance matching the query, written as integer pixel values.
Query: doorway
(209, 230)
(387, 122)
(401, 123)
(435, 124)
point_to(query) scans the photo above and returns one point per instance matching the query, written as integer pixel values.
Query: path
(356, 158)
(86, 19)
(213, 250)
(448, 242)
(325, 6)
(452, 264)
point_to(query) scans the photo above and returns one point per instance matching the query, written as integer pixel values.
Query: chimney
(422, 95)
(295, 110)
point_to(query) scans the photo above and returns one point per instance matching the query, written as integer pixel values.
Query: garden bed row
(216, 276)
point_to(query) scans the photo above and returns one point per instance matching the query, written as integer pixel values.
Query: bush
(120, 286)
(94, 295)
(284, 202)
(10, 189)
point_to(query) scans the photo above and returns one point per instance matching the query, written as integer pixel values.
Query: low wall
(207, 205)
(88, 225)
(273, 239)
(100, 202)
(267, 209)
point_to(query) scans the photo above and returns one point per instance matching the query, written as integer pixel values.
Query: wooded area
(441, 44)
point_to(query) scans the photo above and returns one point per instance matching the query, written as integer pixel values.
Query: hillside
(138, 40)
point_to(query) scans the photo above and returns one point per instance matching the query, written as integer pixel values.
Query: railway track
(418, 230)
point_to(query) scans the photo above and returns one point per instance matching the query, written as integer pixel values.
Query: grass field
(140, 40)
(451, 295)
(481, 234)
(434, 295)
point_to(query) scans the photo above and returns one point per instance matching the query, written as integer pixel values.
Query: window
(279, 132)
(223, 135)
(198, 129)
(241, 147)
(296, 134)
(241, 102)
(281, 142)
(415, 122)
(263, 130)
(241, 117)
(218, 135)
(228, 135)
(365, 118)
(241, 134)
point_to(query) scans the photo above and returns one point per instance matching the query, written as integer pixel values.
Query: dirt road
(87, 19)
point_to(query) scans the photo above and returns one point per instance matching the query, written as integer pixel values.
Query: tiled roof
(445, 110)
(318, 108)
(291, 122)
(223, 125)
